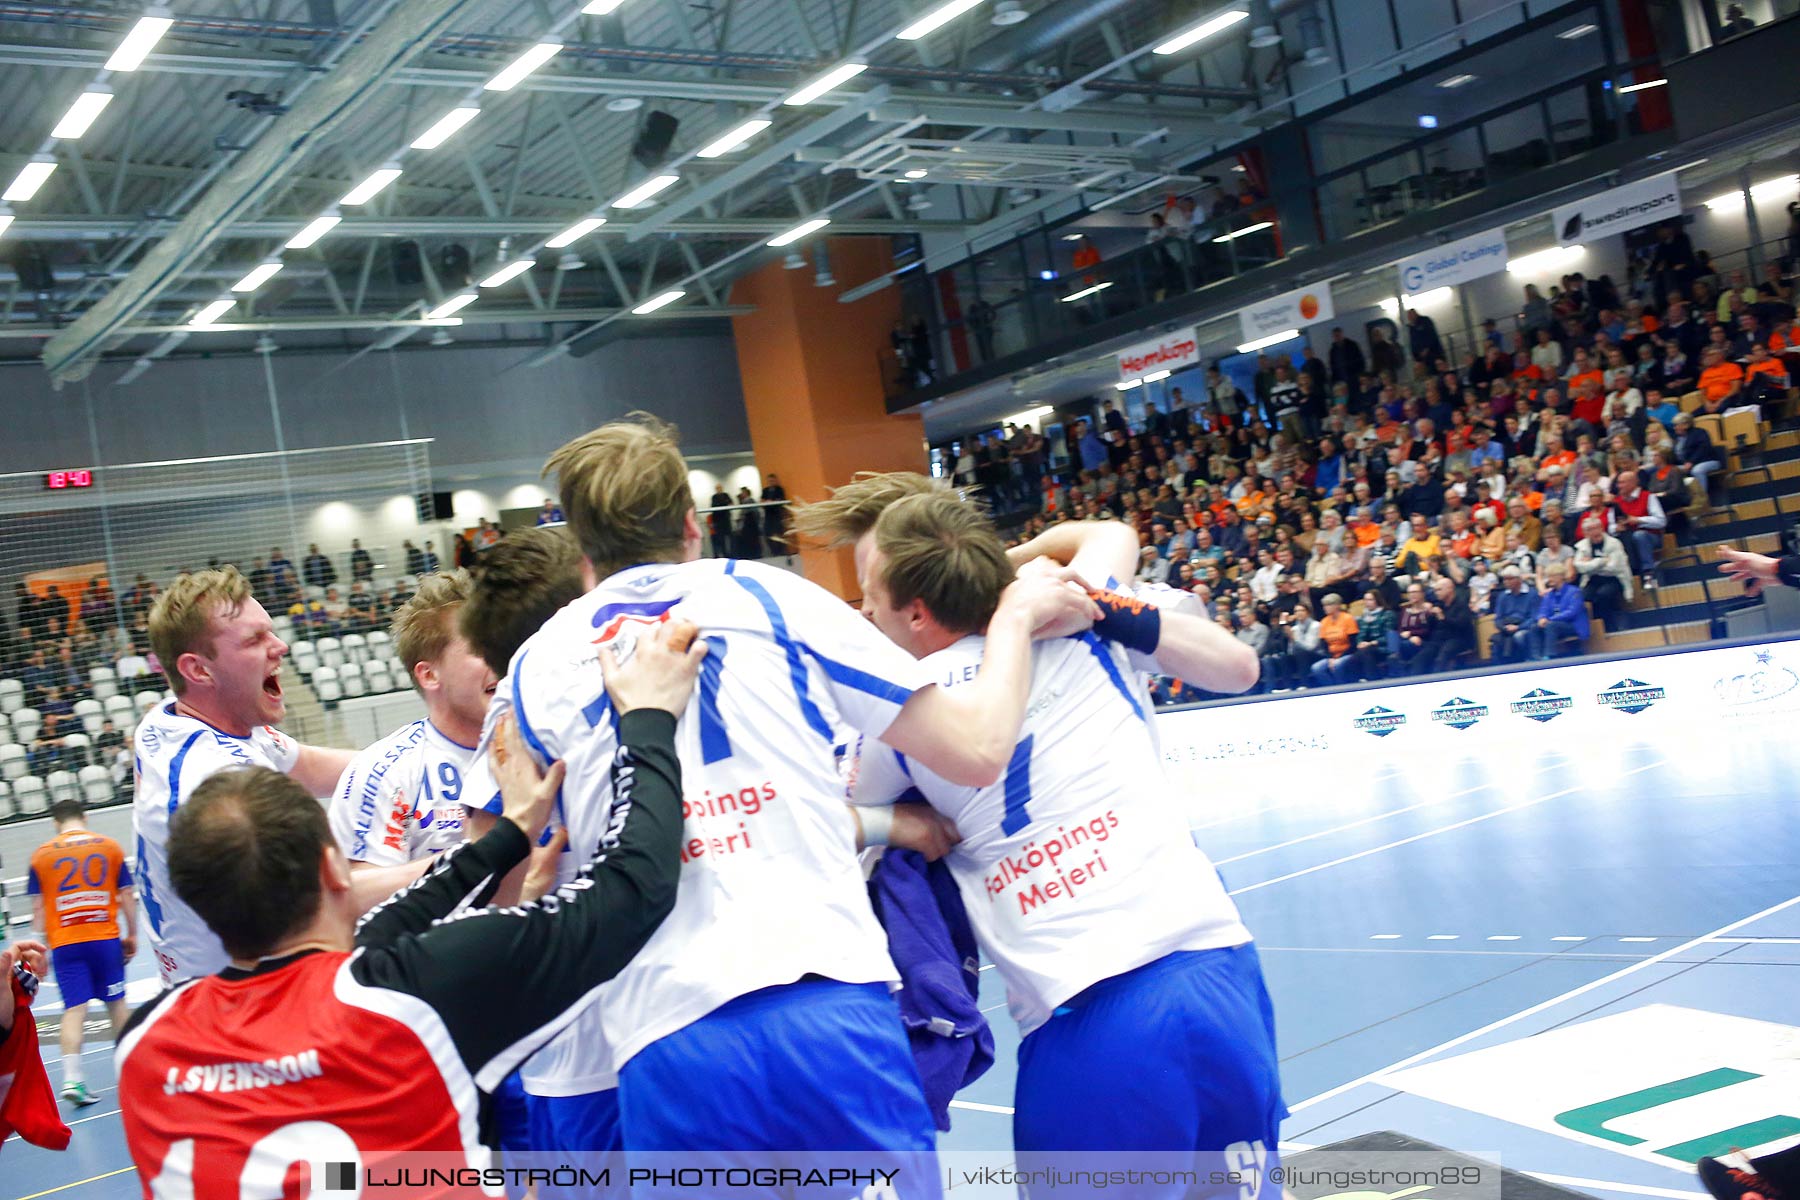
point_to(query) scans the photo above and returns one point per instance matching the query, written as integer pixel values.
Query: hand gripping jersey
(328, 1057)
(173, 754)
(79, 875)
(1075, 866)
(770, 886)
(402, 798)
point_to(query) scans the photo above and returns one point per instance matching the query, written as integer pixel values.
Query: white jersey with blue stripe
(770, 886)
(1077, 865)
(173, 753)
(402, 798)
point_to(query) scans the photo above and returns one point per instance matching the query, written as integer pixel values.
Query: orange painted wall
(812, 383)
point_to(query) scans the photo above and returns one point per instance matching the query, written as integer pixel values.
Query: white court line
(1394, 812)
(1761, 941)
(1442, 937)
(1541, 1006)
(1385, 937)
(1503, 937)
(1568, 937)
(1637, 939)
(974, 1106)
(113, 1113)
(1419, 837)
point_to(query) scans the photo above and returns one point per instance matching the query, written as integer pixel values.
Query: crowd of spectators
(1356, 512)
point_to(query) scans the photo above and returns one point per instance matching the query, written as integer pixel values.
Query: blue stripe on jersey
(796, 664)
(598, 707)
(632, 608)
(904, 768)
(1018, 788)
(175, 769)
(1112, 670)
(862, 681)
(545, 758)
(152, 906)
(715, 743)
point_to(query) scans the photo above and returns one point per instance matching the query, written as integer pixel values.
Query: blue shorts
(816, 1065)
(1177, 1055)
(512, 1115)
(89, 971)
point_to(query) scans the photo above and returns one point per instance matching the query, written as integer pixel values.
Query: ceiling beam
(476, 315)
(944, 110)
(356, 82)
(79, 228)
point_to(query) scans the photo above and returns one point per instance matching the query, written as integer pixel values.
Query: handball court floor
(1584, 960)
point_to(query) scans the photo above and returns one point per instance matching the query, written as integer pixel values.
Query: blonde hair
(425, 624)
(853, 509)
(181, 618)
(624, 490)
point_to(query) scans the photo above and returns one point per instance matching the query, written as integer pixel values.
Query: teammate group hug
(607, 895)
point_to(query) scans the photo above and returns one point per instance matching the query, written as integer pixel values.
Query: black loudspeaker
(441, 507)
(453, 267)
(658, 133)
(33, 268)
(408, 263)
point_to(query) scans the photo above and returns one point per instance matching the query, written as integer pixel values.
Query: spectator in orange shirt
(1720, 378)
(1337, 634)
(1087, 256)
(79, 885)
(1765, 379)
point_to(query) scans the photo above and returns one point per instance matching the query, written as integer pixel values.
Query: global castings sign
(1467, 258)
(1618, 210)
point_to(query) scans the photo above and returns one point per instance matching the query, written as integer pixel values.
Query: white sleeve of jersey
(480, 790)
(370, 813)
(282, 751)
(877, 774)
(869, 677)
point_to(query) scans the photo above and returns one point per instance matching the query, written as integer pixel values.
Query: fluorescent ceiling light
(454, 304)
(599, 8)
(941, 15)
(319, 227)
(1638, 87)
(212, 312)
(515, 71)
(916, 173)
(30, 178)
(1073, 237)
(1238, 233)
(824, 83)
(1125, 385)
(6, 219)
(1569, 35)
(138, 43)
(509, 272)
(1435, 296)
(367, 190)
(1156, 375)
(1543, 260)
(1087, 291)
(801, 230)
(81, 114)
(1182, 41)
(656, 302)
(727, 142)
(644, 191)
(1456, 81)
(1271, 340)
(258, 276)
(1758, 191)
(575, 232)
(448, 124)
(1030, 414)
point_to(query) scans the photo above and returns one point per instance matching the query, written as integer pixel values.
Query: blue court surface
(1583, 958)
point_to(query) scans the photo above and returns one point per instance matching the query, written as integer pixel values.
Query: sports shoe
(1729, 1182)
(78, 1095)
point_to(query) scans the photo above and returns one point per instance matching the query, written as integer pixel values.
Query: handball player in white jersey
(223, 661)
(1111, 930)
(758, 1017)
(402, 798)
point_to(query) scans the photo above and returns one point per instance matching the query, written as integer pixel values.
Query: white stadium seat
(356, 648)
(146, 701)
(96, 785)
(284, 627)
(6, 800)
(133, 667)
(305, 657)
(325, 683)
(103, 682)
(380, 645)
(12, 762)
(62, 785)
(12, 695)
(331, 652)
(91, 714)
(315, 593)
(378, 677)
(26, 723)
(79, 747)
(350, 675)
(29, 796)
(402, 677)
(120, 709)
